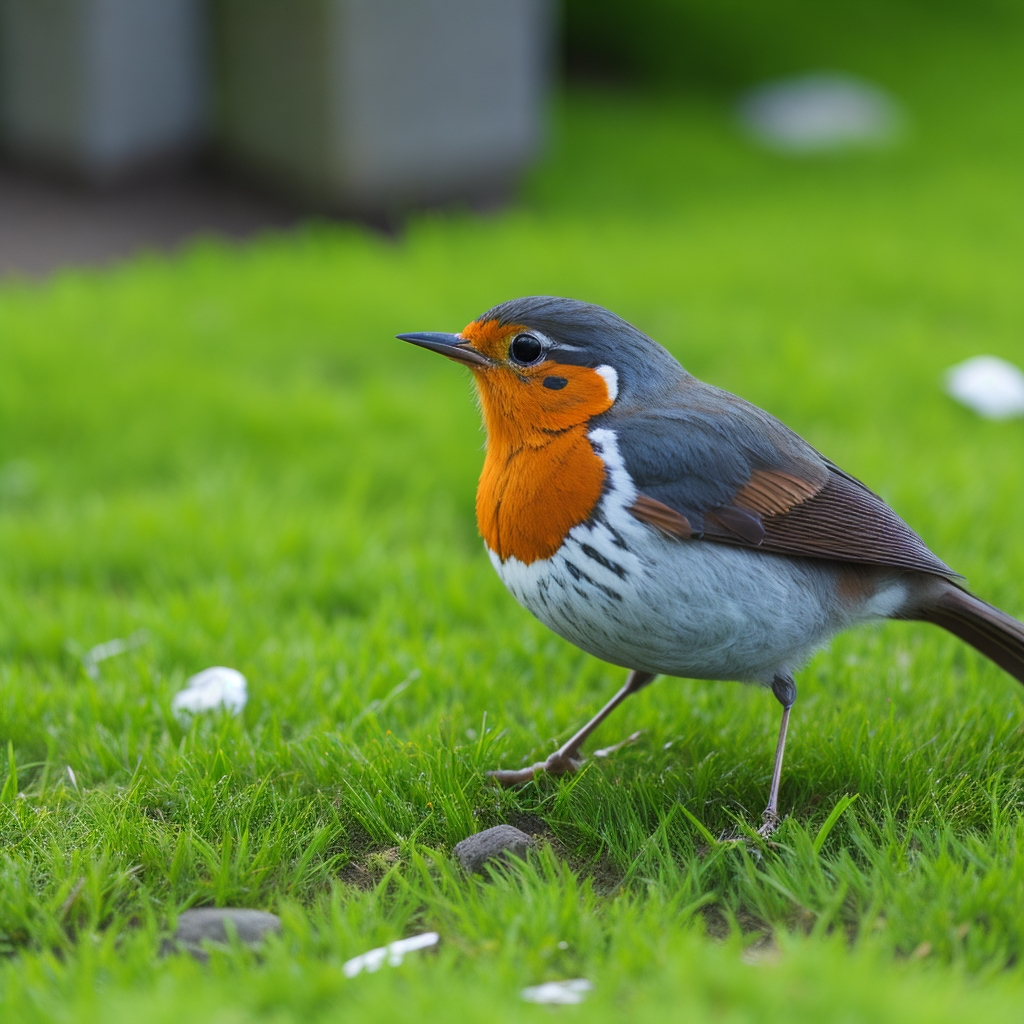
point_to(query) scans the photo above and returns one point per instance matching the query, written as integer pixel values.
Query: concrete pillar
(369, 106)
(102, 88)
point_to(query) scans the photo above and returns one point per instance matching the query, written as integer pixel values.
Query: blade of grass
(830, 821)
(700, 827)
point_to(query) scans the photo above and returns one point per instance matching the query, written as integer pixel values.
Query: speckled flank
(629, 595)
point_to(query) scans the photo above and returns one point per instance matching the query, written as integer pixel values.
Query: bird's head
(544, 364)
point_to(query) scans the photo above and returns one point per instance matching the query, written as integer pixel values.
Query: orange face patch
(491, 338)
(541, 476)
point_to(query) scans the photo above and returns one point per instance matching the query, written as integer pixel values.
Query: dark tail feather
(994, 633)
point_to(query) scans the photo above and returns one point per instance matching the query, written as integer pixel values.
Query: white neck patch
(611, 380)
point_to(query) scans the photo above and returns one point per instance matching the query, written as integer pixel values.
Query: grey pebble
(493, 843)
(251, 927)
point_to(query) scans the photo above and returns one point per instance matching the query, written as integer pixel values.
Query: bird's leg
(784, 689)
(567, 757)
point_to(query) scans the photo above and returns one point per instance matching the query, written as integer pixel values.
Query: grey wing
(716, 468)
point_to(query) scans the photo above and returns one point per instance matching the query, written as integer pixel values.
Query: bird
(671, 528)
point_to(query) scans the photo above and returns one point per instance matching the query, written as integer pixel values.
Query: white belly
(627, 594)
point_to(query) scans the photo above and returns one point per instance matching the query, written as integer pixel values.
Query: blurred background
(159, 110)
(818, 206)
(127, 124)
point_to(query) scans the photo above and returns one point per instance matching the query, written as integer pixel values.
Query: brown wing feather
(839, 520)
(734, 525)
(666, 519)
(770, 491)
(847, 522)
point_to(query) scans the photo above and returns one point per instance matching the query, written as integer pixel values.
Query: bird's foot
(770, 822)
(561, 762)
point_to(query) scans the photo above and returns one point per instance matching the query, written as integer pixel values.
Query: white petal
(370, 961)
(110, 649)
(413, 943)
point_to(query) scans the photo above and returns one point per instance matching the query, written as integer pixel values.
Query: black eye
(525, 349)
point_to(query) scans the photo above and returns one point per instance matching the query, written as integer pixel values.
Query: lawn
(228, 450)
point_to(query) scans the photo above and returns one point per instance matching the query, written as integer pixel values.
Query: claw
(558, 763)
(770, 822)
(568, 758)
(512, 776)
(608, 751)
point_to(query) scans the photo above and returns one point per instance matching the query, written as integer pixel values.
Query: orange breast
(541, 476)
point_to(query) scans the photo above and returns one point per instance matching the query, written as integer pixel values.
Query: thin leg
(567, 757)
(784, 689)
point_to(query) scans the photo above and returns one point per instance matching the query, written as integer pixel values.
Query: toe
(512, 776)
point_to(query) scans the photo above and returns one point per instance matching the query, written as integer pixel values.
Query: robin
(669, 527)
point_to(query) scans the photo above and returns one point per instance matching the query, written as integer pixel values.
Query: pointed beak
(450, 345)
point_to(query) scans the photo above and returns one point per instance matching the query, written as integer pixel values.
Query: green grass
(228, 450)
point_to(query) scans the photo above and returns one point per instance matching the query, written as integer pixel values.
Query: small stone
(492, 844)
(251, 927)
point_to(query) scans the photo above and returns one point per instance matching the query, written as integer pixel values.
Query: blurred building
(354, 106)
(103, 89)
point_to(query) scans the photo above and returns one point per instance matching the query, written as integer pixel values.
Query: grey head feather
(679, 419)
(583, 334)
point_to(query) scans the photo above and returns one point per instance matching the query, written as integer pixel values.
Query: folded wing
(715, 468)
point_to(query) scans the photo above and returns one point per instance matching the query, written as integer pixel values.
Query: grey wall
(435, 96)
(370, 105)
(100, 86)
(360, 106)
(273, 103)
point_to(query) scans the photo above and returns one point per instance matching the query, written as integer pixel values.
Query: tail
(995, 634)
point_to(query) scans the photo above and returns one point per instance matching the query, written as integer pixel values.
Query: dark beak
(450, 345)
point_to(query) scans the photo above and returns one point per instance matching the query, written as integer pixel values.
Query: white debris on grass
(820, 112)
(990, 386)
(110, 649)
(210, 690)
(558, 993)
(392, 954)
